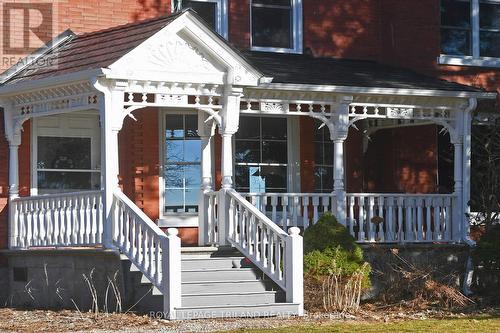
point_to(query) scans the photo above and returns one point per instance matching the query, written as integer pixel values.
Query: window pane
(328, 149)
(323, 179)
(174, 176)
(206, 10)
(174, 201)
(275, 177)
(66, 181)
(174, 151)
(63, 153)
(191, 197)
(455, 42)
(174, 126)
(489, 44)
(274, 152)
(489, 16)
(271, 27)
(274, 128)
(192, 151)
(247, 152)
(191, 126)
(192, 174)
(455, 13)
(241, 177)
(249, 128)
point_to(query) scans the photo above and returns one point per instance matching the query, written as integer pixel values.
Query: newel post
(338, 133)
(171, 273)
(294, 270)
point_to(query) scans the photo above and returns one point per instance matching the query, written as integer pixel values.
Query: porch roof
(308, 70)
(100, 49)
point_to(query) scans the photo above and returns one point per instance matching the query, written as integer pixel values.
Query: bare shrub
(420, 286)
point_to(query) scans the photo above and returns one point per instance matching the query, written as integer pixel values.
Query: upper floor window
(470, 32)
(276, 25)
(213, 12)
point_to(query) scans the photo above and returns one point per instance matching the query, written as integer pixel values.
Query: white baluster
(371, 234)
(428, 220)
(389, 222)
(361, 218)
(305, 212)
(401, 231)
(420, 229)
(315, 202)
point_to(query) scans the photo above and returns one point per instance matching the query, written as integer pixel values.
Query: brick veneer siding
(400, 33)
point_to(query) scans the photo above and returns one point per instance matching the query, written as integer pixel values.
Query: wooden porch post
(338, 136)
(205, 132)
(14, 143)
(111, 118)
(466, 156)
(230, 121)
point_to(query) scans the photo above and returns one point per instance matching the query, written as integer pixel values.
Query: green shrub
(329, 248)
(486, 256)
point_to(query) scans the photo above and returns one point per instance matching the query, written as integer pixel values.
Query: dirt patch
(73, 321)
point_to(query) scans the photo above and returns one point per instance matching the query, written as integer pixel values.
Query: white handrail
(276, 253)
(156, 254)
(53, 220)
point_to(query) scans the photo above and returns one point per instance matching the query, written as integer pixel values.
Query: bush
(486, 256)
(333, 267)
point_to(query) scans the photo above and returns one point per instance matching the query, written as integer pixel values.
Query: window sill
(178, 220)
(468, 61)
(275, 50)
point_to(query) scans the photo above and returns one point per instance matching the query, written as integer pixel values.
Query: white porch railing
(66, 219)
(212, 222)
(156, 254)
(276, 253)
(370, 217)
(293, 209)
(376, 217)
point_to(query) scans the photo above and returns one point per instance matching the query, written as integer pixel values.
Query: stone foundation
(54, 279)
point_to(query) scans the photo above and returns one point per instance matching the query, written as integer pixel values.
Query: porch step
(225, 298)
(223, 286)
(242, 311)
(215, 283)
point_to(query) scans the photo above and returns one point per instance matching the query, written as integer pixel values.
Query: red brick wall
(89, 15)
(139, 160)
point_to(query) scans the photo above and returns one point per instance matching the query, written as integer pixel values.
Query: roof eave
(378, 90)
(33, 57)
(58, 80)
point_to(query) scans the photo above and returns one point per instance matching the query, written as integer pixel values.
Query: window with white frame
(261, 154)
(323, 160)
(66, 154)
(276, 25)
(470, 32)
(213, 12)
(181, 164)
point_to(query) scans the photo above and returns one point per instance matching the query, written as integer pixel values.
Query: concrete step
(215, 262)
(216, 274)
(223, 299)
(240, 311)
(223, 286)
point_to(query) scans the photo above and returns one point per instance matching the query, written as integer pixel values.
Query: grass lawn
(474, 324)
